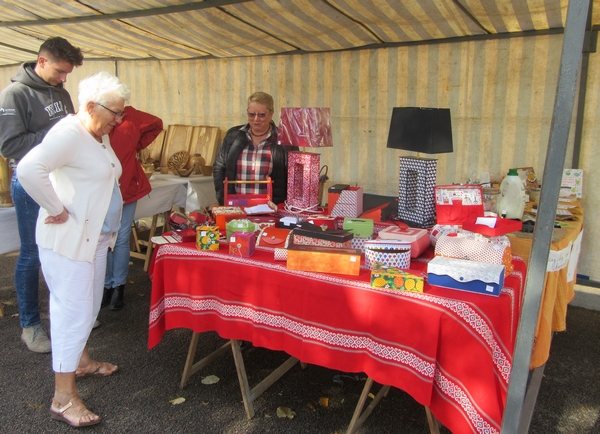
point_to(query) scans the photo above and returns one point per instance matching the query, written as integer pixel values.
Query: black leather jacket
(227, 157)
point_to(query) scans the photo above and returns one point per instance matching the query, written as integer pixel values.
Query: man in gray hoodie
(31, 105)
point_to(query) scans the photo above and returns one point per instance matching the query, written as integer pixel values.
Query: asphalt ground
(138, 398)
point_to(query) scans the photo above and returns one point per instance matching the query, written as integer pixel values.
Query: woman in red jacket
(137, 131)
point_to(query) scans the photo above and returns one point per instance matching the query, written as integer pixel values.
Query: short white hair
(102, 88)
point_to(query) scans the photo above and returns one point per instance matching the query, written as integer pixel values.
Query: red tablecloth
(451, 350)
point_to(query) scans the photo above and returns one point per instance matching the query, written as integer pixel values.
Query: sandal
(76, 409)
(96, 369)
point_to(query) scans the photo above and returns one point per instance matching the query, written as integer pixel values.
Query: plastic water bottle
(511, 201)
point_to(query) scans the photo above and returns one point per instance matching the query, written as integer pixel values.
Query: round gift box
(388, 254)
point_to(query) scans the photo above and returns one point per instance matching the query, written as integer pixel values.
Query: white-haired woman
(73, 175)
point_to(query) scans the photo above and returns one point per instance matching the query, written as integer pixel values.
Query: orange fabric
(558, 293)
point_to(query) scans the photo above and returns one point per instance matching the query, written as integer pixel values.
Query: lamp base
(303, 180)
(416, 201)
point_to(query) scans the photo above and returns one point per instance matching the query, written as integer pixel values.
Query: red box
(183, 235)
(456, 204)
(324, 220)
(242, 244)
(224, 214)
(503, 227)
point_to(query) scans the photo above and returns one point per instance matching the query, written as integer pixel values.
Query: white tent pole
(570, 64)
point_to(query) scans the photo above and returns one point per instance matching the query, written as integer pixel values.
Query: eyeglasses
(117, 114)
(260, 115)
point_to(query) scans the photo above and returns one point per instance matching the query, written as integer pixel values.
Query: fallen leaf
(211, 379)
(36, 405)
(312, 407)
(176, 401)
(205, 402)
(342, 401)
(371, 396)
(324, 402)
(14, 315)
(285, 412)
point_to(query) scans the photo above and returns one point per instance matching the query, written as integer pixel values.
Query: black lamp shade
(421, 129)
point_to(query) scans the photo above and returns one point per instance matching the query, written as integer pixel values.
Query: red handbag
(274, 237)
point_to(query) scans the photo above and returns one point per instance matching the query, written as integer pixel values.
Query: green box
(360, 228)
(239, 225)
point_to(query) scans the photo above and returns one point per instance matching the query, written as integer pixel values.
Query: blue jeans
(117, 262)
(27, 270)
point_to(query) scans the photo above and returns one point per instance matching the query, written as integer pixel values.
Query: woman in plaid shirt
(250, 153)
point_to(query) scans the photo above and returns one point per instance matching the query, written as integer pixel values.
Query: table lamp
(304, 127)
(422, 130)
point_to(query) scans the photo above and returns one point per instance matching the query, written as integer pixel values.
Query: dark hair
(57, 48)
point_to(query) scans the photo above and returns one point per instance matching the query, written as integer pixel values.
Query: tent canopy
(174, 30)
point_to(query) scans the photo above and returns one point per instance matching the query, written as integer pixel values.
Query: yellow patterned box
(207, 238)
(383, 276)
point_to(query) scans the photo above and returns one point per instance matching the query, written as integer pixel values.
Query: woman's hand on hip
(58, 219)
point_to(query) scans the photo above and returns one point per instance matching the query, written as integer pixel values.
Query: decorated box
(324, 260)
(383, 276)
(473, 248)
(224, 214)
(349, 203)
(333, 194)
(280, 254)
(239, 225)
(388, 252)
(207, 237)
(242, 244)
(360, 228)
(419, 238)
(472, 276)
(359, 243)
(273, 237)
(303, 179)
(303, 240)
(309, 230)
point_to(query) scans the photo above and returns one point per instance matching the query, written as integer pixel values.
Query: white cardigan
(71, 169)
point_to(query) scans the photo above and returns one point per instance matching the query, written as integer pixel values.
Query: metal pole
(542, 236)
